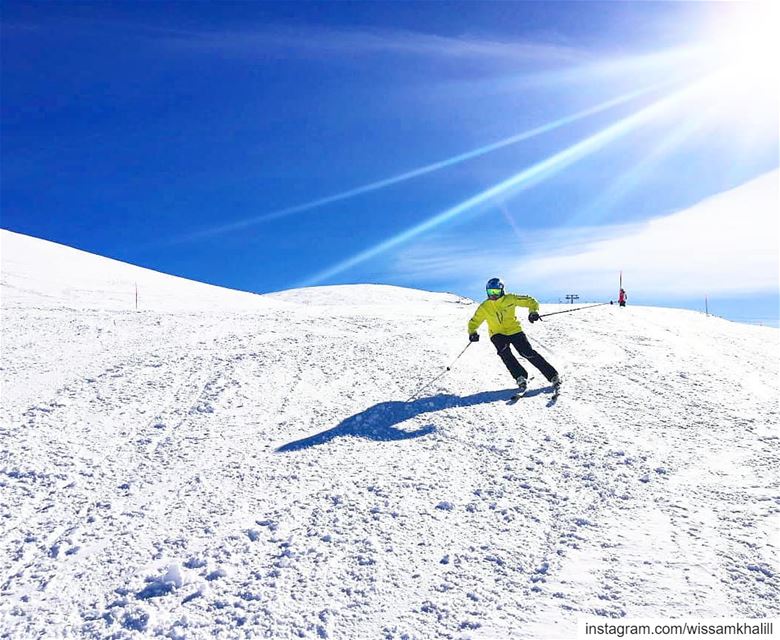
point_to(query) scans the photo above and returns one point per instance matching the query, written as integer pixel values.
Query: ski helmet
(494, 288)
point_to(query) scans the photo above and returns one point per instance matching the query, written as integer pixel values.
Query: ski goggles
(494, 293)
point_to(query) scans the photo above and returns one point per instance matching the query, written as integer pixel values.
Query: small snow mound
(195, 562)
(159, 586)
(217, 574)
(136, 619)
(760, 569)
(173, 576)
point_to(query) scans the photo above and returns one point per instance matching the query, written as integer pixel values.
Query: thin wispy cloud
(310, 40)
(682, 64)
(727, 244)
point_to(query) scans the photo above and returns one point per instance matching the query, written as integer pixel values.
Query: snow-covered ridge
(39, 273)
(182, 473)
(365, 294)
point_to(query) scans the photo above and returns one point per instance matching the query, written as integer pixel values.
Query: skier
(499, 313)
(622, 297)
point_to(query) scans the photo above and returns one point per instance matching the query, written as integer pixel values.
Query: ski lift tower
(571, 297)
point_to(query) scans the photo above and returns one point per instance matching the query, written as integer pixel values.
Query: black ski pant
(524, 348)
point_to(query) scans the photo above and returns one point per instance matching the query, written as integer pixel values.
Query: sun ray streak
(522, 180)
(510, 219)
(632, 176)
(420, 171)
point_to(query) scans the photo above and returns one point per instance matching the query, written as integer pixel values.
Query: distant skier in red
(622, 297)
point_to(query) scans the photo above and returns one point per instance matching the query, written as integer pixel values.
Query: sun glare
(745, 46)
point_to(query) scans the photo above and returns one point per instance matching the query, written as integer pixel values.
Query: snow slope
(37, 273)
(235, 466)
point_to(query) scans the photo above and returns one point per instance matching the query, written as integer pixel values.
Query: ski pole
(590, 306)
(428, 384)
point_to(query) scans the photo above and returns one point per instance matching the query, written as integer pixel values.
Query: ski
(554, 397)
(556, 392)
(515, 398)
(520, 394)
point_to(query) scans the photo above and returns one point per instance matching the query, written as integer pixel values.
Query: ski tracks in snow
(109, 454)
(260, 475)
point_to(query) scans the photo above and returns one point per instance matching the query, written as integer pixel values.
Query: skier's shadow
(378, 422)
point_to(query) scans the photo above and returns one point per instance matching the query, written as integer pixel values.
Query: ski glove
(533, 317)
(473, 337)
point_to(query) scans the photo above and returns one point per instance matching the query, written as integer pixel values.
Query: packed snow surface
(218, 464)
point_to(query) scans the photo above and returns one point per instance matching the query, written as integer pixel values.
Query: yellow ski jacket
(500, 314)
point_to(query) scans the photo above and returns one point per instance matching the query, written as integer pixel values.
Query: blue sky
(264, 146)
